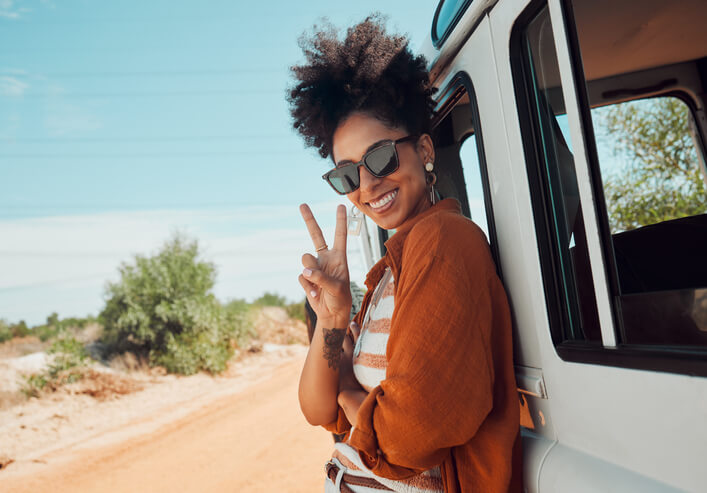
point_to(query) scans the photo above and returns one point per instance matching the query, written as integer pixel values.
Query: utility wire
(223, 253)
(145, 139)
(148, 94)
(53, 282)
(141, 73)
(158, 155)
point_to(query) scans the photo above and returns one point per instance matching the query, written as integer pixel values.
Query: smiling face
(393, 199)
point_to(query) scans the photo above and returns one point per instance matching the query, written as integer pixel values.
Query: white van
(608, 290)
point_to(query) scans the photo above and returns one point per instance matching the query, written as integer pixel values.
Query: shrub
(240, 315)
(5, 331)
(68, 353)
(20, 329)
(69, 356)
(163, 306)
(271, 299)
(54, 326)
(296, 311)
(9, 331)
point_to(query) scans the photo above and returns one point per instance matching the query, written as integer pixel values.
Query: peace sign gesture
(325, 278)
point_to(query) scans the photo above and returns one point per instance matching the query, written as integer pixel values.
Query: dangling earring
(431, 179)
(355, 221)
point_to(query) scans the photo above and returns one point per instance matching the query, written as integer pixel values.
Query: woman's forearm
(319, 382)
(350, 401)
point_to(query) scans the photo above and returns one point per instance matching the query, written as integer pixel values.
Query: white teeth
(384, 200)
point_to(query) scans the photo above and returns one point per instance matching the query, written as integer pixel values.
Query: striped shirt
(369, 367)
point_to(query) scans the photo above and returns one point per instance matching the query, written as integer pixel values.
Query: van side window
(645, 139)
(653, 177)
(461, 167)
(553, 179)
(469, 154)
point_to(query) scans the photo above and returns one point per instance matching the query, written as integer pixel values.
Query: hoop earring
(431, 179)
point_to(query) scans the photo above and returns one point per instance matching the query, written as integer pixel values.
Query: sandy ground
(238, 432)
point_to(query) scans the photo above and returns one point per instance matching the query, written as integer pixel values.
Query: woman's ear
(426, 149)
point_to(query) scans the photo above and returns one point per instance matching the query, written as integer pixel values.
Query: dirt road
(252, 441)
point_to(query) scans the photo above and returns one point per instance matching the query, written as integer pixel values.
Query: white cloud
(62, 263)
(9, 9)
(12, 86)
(13, 71)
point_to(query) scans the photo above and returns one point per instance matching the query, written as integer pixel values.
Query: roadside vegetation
(161, 314)
(163, 308)
(68, 358)
(10, 331)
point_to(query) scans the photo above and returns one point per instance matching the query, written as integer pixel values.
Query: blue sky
(124, 121)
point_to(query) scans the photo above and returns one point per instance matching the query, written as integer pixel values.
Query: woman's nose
(367, 179)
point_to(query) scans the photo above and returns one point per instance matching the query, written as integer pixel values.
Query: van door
(623, 348)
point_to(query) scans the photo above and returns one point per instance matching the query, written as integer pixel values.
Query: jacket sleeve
(439, 382)
(341, 425)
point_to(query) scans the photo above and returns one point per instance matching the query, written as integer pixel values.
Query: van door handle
(530, 381)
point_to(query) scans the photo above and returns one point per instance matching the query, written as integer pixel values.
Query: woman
(425, 391)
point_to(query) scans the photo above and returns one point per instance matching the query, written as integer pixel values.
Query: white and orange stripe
(369, 366)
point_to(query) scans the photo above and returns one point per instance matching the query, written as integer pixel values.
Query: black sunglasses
(380, 162)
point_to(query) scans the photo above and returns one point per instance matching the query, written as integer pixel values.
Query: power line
(21, 253)
(141, 73)
(132, 205)
(271, 13)
(54, 282)
(158, 155)
(148, 94)
(223, 253)
(145, 139)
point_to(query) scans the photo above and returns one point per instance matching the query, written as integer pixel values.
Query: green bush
(240, 315)
(296, 310)
(69, 356)
(9, 331)
(271, 299)
(163, 306)
(5, 331)
(68, 353)
(54, 326)
(20, 329)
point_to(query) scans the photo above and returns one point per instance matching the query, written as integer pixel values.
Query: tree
(163, 305)
(661, 179)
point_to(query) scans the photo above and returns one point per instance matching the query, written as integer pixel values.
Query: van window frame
(687, 361)
(461, 81)
(437, 42)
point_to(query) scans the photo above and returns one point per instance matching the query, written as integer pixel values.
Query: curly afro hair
(369, 71)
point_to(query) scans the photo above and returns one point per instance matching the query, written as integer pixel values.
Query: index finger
(341, 229)
(314, 231)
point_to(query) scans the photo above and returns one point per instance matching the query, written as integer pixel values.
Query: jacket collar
(394, 245)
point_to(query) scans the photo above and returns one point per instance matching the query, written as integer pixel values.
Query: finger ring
(321, 248)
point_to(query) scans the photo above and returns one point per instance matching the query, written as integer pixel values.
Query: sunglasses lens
(344, 179)
(379, 162)
(382, 161)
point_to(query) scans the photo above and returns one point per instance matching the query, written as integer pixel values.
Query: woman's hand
(325, 278)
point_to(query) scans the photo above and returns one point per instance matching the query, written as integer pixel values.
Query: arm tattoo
(333, 340)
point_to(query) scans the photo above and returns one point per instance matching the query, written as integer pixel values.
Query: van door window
(551, 171)
(645, 78)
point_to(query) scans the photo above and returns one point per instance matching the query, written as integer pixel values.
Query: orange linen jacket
(449, 397)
